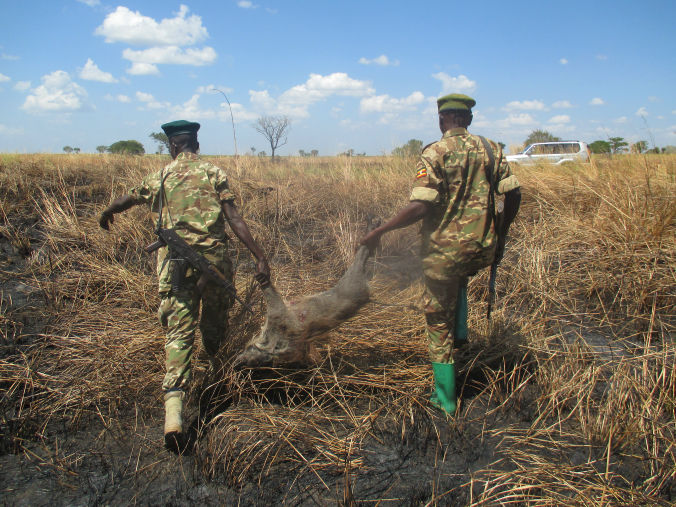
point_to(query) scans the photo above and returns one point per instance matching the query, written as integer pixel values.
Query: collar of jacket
(187, 155)
(459, 131)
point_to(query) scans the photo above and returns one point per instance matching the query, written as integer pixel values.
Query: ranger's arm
(414, 211)
(241, 230)
(119, 205)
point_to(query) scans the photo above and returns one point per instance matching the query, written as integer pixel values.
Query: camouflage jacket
(193, 193)
(458, 234)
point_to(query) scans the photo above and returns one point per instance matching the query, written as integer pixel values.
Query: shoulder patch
(421, 173)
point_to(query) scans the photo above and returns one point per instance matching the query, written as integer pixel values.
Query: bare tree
(274, 129)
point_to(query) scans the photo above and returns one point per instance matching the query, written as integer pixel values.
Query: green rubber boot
(460, 334)
(443, 396)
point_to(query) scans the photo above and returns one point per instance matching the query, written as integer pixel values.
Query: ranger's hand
(371, 240)
(107, 217)
(262, 275)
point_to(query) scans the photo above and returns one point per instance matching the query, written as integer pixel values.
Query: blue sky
(351, 74)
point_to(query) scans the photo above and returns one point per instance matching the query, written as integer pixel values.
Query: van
(555, 152)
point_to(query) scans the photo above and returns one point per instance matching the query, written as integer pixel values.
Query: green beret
(455, 102)
(174, 128)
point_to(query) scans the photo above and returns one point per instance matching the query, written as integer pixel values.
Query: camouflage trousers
(178, 314)
(439, 302)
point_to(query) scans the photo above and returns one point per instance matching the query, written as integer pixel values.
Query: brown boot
(173, 418)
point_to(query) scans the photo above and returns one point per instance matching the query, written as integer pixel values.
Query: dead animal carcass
(290, 328)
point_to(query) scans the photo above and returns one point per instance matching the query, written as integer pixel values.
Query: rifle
(178, 246)
(498, 221)
(491, 288)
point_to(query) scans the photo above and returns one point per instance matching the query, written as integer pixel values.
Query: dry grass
(571, 390)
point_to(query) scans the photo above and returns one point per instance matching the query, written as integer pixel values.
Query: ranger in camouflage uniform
(451, 195)
(197, 201)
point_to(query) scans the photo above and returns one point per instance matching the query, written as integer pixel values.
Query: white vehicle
(556, 152)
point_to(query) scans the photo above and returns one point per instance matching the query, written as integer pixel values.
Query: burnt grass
(119, 458)
(352, 427)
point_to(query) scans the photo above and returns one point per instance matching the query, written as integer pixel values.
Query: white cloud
(144, 97)
(674, 111)
(150, 101)
(563, 61)
(143, 69)
(451, 84)
(4, 79)
(262, 100)
(271, 11)
(516, 119)
(171, 55)
(560, 119)
(601, 57)
(642, 111)
(562, 104)
(596, 101)
(296, 100)
(191, 109)
(90, 3)
(56, 93)
(319, 87)
(91, 72)
(22, 86)
(387, 104)
(246, 4)
(621, 119)
(381, 60)
(5, 56)
(166, 39)
(119, 98)
(5, 130)
(525, 105)
(124, 25)
(562, 128)
(652, 98)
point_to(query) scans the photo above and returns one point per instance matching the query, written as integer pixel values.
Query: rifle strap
(161, 201)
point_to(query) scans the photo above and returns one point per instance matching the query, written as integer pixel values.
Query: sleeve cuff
(424, 194)
(509, 183)
(138, 196)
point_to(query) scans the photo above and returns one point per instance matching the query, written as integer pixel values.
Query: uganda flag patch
(421, 173)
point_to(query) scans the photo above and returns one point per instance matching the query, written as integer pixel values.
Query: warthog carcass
(290, 328)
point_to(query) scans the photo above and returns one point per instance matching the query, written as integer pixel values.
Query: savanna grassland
(568, 394)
